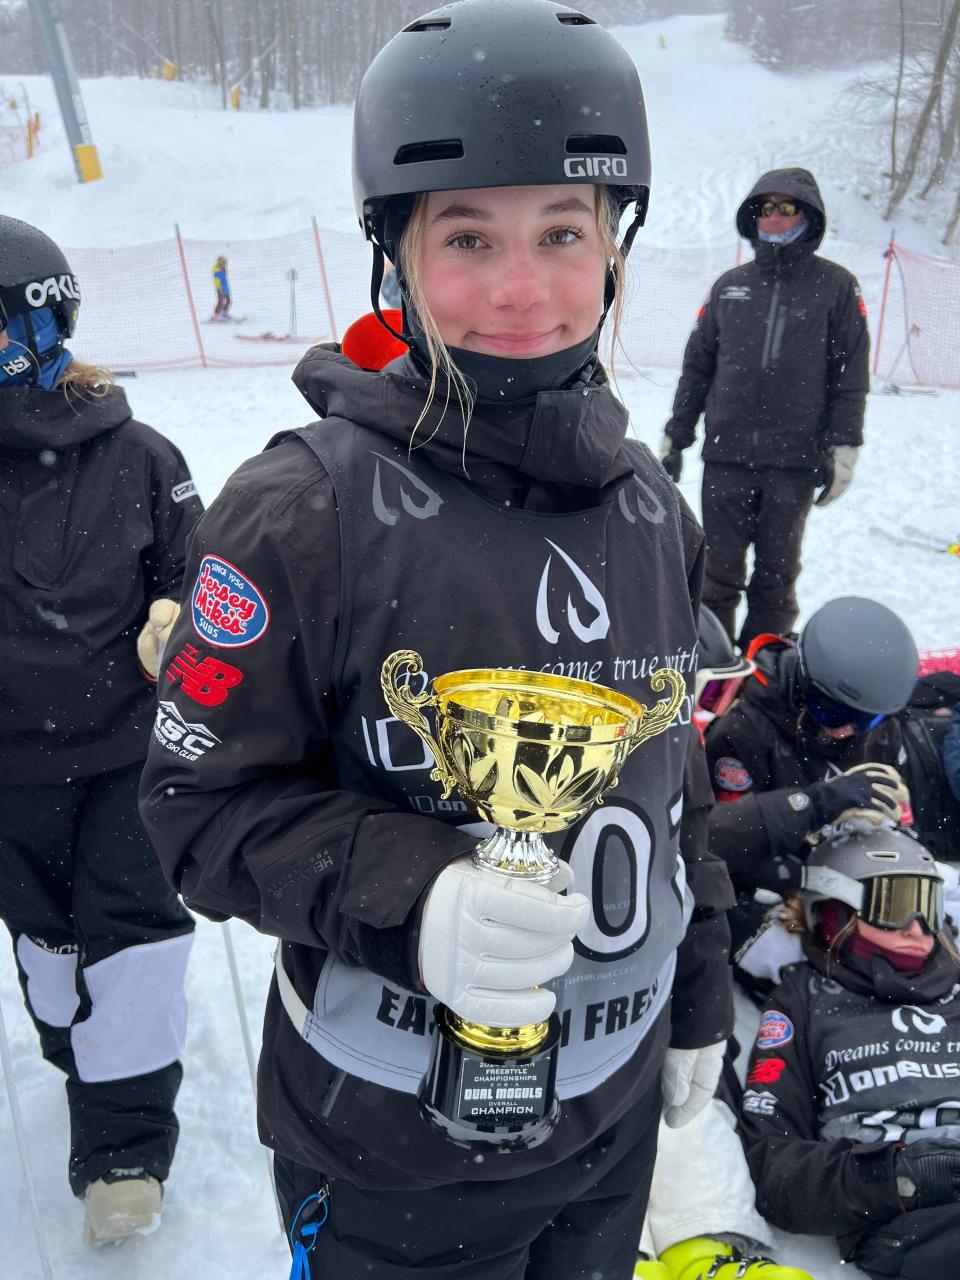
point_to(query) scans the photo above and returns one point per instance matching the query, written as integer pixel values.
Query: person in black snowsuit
(778, 365)
(850, 1117)
(519, 528)
(812, 735)
(95, 509)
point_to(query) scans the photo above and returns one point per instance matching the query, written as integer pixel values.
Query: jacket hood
(32, 418)
(573, 437)
(798, 183)
(877, 977)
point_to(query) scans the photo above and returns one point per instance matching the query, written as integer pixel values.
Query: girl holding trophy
(474, 501)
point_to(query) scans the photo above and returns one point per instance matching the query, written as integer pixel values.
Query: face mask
(39, 362)
(785, 237)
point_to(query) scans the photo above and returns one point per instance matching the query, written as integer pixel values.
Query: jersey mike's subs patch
(775, 1029)
(228, 609)
(732, 775)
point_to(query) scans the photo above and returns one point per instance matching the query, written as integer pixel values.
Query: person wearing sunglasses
(850, 1116)
(812, 736)
(778, 365)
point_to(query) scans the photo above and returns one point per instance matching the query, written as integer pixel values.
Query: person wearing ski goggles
(850, 1115)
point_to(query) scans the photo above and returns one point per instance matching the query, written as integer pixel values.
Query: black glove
(673, 464)
(790, 813)
(671, 458)
(866, 786)
(928, 1173)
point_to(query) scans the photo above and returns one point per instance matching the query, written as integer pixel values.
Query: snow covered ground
(168, 154)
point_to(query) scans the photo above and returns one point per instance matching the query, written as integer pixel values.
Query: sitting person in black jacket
(850, 1117)
(811, 737)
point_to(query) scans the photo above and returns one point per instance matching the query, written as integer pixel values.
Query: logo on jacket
(206, 680)
(732, 774)
(58, 287)
(186, 740)
(758, 1102)
(909, 1018)
(735, 293)
(228, 609)
(595, 630)
(186, 489)
(642, 503)
(430, 503)
(775, 1029)
(766, 1071)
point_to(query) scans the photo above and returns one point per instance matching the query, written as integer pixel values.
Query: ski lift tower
(57, 48)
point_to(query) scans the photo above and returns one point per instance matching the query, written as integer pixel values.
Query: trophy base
(492, 1102)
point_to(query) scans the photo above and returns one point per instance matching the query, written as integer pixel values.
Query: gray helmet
(497, 93)
(34, 273)
(885, 875)
(859, 653)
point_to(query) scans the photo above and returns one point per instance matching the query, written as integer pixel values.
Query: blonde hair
(410, 248)
(85, 381)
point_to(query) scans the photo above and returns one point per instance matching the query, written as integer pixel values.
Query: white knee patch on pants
(138, 1021)
(51, 982)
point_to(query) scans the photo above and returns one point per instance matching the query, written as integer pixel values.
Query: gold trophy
(531, 753)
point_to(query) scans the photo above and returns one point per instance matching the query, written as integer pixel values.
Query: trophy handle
(662, 715)
(406, 706)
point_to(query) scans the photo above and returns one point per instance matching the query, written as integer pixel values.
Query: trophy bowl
(530, 752)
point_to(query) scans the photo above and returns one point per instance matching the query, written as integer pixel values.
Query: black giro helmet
(859, 653)
(716, 653)
(497, 93)
(34, 274)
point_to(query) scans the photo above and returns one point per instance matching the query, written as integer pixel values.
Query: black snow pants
(578, 1220)
(766, 508)
(101, 943)
(914, 1246)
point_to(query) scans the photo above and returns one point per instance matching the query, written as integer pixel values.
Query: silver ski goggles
(893, 902)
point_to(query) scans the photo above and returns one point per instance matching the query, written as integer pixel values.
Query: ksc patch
(775, 1029)
(228, 609)
(732, 775)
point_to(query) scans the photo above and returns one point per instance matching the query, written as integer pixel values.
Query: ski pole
(18, 1130)
(248, 1050)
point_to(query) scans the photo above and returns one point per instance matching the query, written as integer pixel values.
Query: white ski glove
(151, 640)
(838, 472)
(486, 940)
(689, 1081)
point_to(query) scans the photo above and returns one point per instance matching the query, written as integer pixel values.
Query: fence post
(189, 291)
(888, 254)
(326, 283)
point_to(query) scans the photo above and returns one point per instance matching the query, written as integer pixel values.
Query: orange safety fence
(151, 306)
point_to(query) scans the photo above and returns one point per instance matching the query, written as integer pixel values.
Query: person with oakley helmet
(476, 499)
(95, 509)
(850, 1116)
(778, 364)
(812, 736)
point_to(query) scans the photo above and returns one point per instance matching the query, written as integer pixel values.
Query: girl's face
(513, 271)
(911, 941)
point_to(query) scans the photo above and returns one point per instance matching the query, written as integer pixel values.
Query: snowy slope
(717, 121)
(168, 155)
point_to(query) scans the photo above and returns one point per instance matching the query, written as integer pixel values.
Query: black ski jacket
(766, 743)
(778, 358)
(849, 1061)
(242, 792)
(95, 509)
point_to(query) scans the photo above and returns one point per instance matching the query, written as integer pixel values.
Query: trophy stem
(517, 853)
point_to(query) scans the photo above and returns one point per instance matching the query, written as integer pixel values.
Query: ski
(270, 336)
(912, 537)
(225, 320)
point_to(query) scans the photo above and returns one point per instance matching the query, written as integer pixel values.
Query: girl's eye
(563, 235)
(464, 241)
